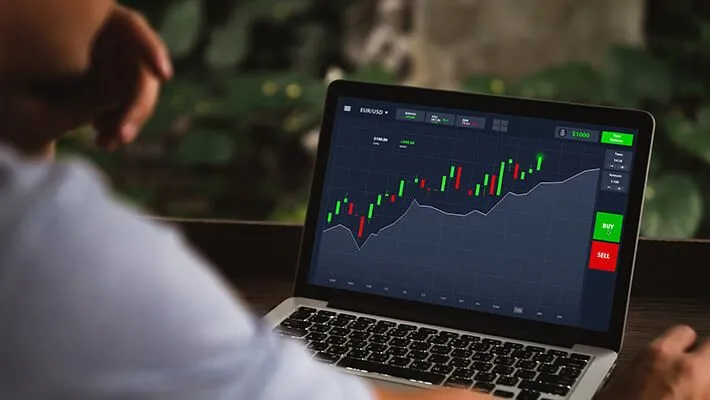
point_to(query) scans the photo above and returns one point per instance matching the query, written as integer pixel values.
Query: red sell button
(603, 257)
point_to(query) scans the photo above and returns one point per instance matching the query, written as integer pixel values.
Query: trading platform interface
(503, 214)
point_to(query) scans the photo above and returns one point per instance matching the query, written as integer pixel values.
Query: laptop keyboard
(433, 356)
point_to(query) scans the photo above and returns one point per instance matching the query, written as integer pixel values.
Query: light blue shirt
(97, 302)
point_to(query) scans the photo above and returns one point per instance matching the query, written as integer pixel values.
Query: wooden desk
(671, 284)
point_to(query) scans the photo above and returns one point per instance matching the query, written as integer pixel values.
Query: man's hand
(667, 370)
(117, 95)
(430, 395)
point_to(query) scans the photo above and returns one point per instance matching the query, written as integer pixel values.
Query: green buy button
(618, 138)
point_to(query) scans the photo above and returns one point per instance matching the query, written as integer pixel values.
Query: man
(96, 302)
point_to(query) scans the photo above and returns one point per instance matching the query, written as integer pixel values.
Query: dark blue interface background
(492, 213)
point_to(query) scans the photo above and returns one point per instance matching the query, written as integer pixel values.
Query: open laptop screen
(504, 214)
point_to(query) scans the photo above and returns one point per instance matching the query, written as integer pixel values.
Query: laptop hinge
(412, 314)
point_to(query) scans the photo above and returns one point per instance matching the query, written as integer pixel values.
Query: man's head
(43, 39)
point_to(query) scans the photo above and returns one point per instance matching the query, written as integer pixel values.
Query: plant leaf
(181, 27)
(633, 75)
(693, 137)
(229, 44)
(205, 148)
(674, 207)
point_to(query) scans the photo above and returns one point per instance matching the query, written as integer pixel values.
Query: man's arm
(99, 302)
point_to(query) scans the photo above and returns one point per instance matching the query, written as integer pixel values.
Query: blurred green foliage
(670, 79)
(227, 138)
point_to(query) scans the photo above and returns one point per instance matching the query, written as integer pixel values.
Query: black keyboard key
(405, 373)
(418, 336)
(501, 351)
(396, 332)
(336, 340)
(558, 353)
(439, 339)
(571, 372)
(327, 357)
(503, 394)
(349, 317)
(548, 368)
(439, 359)
(339, 331)
(459, 362)
(462, 353)
(295, 323)
(463, 373)
(308, 310)
(399, 342)
(556, 380)
(503, 370)
(442, 369)
(450, 335)
(525, 374)
(319, 328)
(291, 332)
(317, 346)
(544, 357)
(326, 313)
(485, 377)
(359, 335)
(508, 381)
(483, 357)
(356, 344)
(459, 343)
(439, 349)
(582, 357)
(480, 347)
(513, 345)
(399, 361)
(338, 350)
(387, 323)
(300, 316)
(458, 383)
(339, 322)
(481, 366)
(316, 336)
(359, 326)
(528, 395)
(544, 388)
(377, 347)
(358, 353)
(535, 349)
(366, 320)
(421, 365)
(419, 346)
(407, 327)
(504, 360)
(378, 357)
(524, 354)
(484, 387)
(471, 338)
(319, 319)
(378, 328)
(397, 351)
(494, 342)
(428, 331)
(527, 364)
(379, 339)
(570, 362)
(418, 355)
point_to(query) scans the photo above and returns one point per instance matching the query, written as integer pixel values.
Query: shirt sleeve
(98, 302)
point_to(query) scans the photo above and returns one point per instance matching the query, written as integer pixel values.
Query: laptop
(470, 241)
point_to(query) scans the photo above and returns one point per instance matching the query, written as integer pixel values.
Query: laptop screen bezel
(470, 320)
